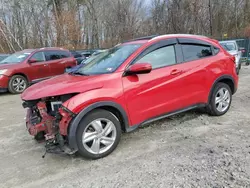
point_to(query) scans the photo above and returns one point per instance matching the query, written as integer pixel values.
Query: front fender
(76, 121)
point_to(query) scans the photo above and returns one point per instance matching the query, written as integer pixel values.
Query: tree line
(85, 24)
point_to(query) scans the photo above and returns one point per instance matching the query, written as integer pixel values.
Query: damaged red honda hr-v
(134, 83)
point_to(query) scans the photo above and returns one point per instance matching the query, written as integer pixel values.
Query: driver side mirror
(139, 68)
(32, 60)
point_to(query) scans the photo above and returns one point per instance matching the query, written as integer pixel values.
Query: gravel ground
(188, 150)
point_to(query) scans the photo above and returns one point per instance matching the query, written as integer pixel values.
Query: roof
(179, 35)
(155, 37)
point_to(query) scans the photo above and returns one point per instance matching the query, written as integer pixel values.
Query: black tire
(211, 108)
(94, 115)
(13, 89)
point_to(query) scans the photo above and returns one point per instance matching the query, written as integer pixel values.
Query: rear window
(56, 54)
(64, 54)
(194, 51)
(229, 46)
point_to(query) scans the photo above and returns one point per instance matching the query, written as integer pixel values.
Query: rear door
(55, 61)
(197, 56)
(40, 69)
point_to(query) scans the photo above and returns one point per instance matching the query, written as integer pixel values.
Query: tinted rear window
(193, 51)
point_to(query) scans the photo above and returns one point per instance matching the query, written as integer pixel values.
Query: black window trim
(153, 47)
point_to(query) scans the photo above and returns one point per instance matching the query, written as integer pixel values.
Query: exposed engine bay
(47, 120)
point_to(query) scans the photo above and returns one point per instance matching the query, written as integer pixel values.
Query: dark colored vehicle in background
(84, 62)
(3, 56)
(132, 84)
(88, 53)
(23, 68)
(79, 57)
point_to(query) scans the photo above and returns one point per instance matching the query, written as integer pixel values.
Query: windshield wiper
(78, 73)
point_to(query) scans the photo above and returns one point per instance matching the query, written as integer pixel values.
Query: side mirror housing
(32, 60)
(139, 68)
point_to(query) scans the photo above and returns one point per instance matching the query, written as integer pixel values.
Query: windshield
(2, 57)
(15, 58)
(229, 46)
(108, 61)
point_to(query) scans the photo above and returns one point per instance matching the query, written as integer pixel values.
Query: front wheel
(98, 134)
(17, 84)
(220, 100)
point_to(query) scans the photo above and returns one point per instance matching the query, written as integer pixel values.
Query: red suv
(30, 66)
(132, 84)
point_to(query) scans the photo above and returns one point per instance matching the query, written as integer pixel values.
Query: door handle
(45, 65)
(175, 72)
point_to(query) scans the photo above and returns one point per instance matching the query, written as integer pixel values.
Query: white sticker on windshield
(109, 69)
(21, 56)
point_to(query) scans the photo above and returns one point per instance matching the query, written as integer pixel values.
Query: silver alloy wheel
(222, 99)
(19, 84)
(99, 136)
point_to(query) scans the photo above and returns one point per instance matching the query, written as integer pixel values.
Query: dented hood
(60, 85)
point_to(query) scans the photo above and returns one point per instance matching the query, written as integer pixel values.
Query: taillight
(233, 58)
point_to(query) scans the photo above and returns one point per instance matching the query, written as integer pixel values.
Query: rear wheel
(98, 134)
(220, 100)
(17, 84)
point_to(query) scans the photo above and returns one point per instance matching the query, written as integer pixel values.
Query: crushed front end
(48, 120)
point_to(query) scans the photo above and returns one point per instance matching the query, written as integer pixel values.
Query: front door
(39, 69)
(158, 92)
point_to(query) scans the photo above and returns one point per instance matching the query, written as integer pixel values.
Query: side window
(52, 55)
(193, 51)
(64, 54)
(216, 50)
(39, 57)
(160, 57)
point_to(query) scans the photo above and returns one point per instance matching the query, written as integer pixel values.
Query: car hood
(7, 66)
(63, 84)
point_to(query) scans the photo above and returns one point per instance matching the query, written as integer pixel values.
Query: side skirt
(134, 127)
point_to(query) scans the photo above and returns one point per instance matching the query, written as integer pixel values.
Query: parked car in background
(132, 84)
(84, 62)
(232, 47)
(3, 56)
(88, 53)
(23, 68)
(79, 57)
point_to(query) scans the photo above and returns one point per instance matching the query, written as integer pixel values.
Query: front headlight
(3, 71)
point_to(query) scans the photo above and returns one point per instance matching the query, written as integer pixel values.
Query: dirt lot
(188, 150)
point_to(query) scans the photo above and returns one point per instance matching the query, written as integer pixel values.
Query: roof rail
(142, 38)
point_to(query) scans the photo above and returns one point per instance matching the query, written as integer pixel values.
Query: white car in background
(232, 47)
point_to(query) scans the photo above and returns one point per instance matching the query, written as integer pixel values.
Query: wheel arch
(227, 79)
(22, 74)
(111, 106)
